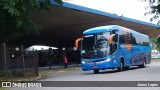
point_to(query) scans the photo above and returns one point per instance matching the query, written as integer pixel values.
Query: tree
(158, 39)
(155, 43)
(154, 6)
(16, 18)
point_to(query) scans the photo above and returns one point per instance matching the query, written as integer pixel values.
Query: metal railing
(15, 62)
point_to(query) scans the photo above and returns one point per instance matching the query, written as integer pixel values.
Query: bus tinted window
(139, 40)
(133, 39)
(121, 37)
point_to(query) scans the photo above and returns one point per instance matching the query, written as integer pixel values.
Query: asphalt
(45, 72)
(58, 73)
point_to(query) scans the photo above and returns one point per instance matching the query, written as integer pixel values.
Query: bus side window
(121, 37)
(133, 39)
(127, 38)
(115, 37)
(114, 41)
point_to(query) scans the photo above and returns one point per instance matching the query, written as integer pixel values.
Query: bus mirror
(77, 42)
(111, 38)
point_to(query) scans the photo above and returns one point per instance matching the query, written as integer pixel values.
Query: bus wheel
(144, 64)
(96, 71)
(126, 68)
(120, 68)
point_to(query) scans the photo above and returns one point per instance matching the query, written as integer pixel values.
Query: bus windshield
(95, 46)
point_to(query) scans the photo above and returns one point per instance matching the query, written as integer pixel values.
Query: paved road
(150, 73)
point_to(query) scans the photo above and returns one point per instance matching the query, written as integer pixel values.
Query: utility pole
(5, 60)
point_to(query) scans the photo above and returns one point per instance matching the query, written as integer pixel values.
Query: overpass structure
(62, 25)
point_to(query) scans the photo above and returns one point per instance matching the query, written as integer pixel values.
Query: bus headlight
(83, 62)
(108, 59)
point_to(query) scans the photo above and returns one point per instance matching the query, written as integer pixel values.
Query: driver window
(115, 37)
(114, 41)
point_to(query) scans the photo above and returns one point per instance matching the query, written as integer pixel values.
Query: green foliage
(59, 2)
(45, 4)
(158, 39)
(15, 16)
(155, 41)
(2, 88)
(17, 73)
(154, 9)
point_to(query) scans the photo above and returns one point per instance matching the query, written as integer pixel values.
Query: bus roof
(102, 29)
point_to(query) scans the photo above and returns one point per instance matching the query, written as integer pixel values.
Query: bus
(113, 47)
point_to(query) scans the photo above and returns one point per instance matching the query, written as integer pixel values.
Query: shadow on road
(110, 71)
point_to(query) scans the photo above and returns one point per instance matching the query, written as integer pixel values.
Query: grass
(16, 78)
(2, 88)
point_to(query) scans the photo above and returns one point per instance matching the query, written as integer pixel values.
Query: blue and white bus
(113, 46)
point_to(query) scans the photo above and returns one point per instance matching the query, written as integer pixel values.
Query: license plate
(95, 66)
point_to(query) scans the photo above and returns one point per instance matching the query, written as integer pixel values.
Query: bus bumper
(97, 66)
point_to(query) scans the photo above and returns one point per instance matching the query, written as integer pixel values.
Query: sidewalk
(44, 71)
(57, 67)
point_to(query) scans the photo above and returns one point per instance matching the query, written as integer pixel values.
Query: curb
(34, 78)
(59, 70)
(44, 76)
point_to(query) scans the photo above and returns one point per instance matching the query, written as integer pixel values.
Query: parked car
(155, 54)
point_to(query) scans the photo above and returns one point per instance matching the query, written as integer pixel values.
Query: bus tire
(96, 71)
(144, 64)
(120, 68)
(126, 68)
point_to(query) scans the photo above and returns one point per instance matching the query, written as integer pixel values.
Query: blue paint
(134, 56)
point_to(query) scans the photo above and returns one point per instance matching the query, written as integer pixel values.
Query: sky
(134, 9)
